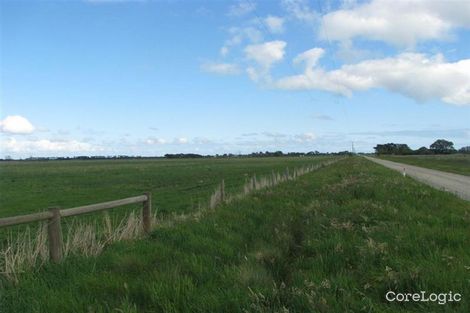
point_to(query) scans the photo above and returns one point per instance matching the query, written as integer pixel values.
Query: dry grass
(24, 251)
(276, 178)
(30, 249)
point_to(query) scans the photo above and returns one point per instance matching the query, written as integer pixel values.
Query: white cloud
(412, 74)
(242, 8)
(248, 32)
(224, 50)
(221, 68)
(274, 24)
(15, 124)
(322, 117)
(402, 23)
(275, 140)
(347, 4)
(181, 140)
(239, 35)
(202, 141)
(274, 135)
(45, 145)
(309, 57)
(306, 137)
(313, 77)
(300, 9)
(348, 53)
(267, 53)
(177, 141)
(155, 141)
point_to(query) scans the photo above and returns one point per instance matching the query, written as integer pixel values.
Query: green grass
(335, 240)
(453, 163)
(176, 185)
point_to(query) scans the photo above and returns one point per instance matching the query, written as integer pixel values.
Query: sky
(111, 77)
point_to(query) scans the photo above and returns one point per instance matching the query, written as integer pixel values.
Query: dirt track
(454, 183)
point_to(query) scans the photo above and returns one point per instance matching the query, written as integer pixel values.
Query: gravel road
(454, 183)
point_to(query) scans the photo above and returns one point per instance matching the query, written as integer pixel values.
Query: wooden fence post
(146, 213)
(255, 183)
(54, 231)
(222, 191)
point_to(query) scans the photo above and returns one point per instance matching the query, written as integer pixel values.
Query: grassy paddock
(23, 250)
(453, 163)
(176, 185)
(335, 240)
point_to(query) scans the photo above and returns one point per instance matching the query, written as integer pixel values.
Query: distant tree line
(440, 146)
(261, 154)
(186, 156)
(85, 157)
(268, 154)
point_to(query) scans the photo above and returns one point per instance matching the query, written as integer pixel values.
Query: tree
(393, 148)
(423, 151)
(465, 149)
(442, 146)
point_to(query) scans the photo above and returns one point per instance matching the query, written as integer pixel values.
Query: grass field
(176, 185)
(453, 163)
(335, 240)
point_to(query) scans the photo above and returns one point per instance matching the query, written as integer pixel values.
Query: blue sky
(154, 77)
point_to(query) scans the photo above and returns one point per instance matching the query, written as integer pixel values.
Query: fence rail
(54, 215)
(22, 219)
(102, 206)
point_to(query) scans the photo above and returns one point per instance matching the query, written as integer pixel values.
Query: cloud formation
(401, 23)
(300, 10)
(322, 117)
(161, 141)
(265, 55)
(46, 145)
(15, 124)
(181, 140)
(274, 24)
(411, 74)
(420, 76)
(242, 8)
(425, 133)
(275, 140)
(239, 35)
(155, 141)
(306, 137)
(221, 68)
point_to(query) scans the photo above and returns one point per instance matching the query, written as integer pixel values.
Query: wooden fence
(54, 215)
